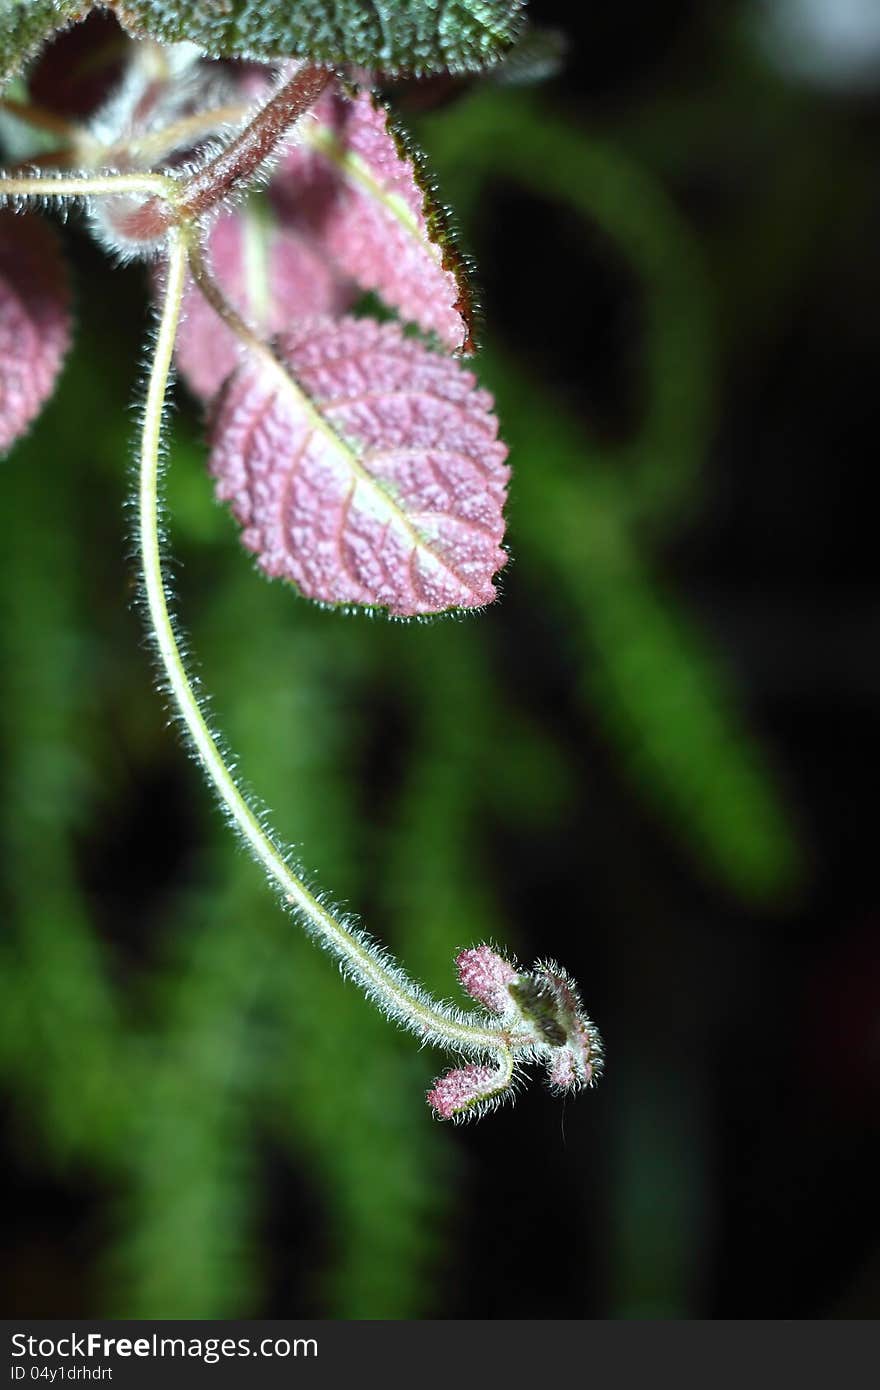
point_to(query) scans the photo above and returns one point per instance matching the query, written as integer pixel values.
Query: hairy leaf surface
(368, 472)
(353, 184)
(270, 274)
(34, 321)
(24, 24)
(392, 35)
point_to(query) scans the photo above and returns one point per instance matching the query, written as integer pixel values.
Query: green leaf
(417, 36)
(24, 24)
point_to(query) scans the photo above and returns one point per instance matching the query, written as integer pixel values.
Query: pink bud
(485, 975)
(458, 1090)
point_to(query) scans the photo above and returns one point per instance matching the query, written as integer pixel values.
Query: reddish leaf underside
(349, 181)
(270, 274)
(80, 67)
(34, 321)
(370, 472)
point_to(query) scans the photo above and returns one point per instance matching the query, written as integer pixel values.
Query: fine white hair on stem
(49, 184)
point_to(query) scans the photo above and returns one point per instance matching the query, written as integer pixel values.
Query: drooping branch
(368, 964)
(525, 1015)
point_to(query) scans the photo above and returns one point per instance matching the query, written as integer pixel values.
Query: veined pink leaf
(270, 274)
(363, 195)
(365, 469)
(34, 321)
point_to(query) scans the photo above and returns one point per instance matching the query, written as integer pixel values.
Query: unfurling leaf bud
(463, 1089)
(540, 1018)
(485, 976)
(574, 1057)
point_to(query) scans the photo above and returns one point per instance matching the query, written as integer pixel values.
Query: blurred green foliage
(585, 516)
(167, 1031)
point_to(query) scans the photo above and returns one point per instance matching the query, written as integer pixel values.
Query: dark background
(656, 761)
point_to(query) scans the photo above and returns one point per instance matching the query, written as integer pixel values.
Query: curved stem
(378, 975)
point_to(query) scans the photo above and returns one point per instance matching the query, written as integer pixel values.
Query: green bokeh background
(628, 764)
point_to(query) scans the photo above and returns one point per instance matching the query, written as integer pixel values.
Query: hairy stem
(51, 185)
(368, 964)
(247, 153)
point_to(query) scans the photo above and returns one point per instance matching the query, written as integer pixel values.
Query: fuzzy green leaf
(24, 24)
(417, 36)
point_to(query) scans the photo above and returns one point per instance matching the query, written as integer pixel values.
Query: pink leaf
(270, 274)
(368, 472)
(34, 321)
(352, 182)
